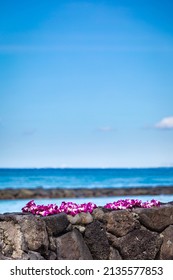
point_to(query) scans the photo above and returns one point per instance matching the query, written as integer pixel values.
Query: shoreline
(41, 192)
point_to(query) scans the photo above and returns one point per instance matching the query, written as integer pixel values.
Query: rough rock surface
(121, 222)
(114, 254)
(41, 192)
(139, 244)
(166, 251)
(140, 234)
(71, 246)
(95, 238)
(56, 224)
(35, 234)
(156, 218)
(12, 243)
(81, 218)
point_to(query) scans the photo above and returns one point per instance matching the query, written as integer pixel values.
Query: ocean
(85, 177)
(82, 178)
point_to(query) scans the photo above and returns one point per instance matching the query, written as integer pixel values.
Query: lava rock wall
(137, 234)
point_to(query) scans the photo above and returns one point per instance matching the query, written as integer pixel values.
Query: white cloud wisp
(165, 123)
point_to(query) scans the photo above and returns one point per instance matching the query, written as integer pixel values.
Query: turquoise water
(88, 178)
(82, 178)
(16, 205)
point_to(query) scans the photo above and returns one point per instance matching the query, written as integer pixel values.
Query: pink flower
(72, 208)
(130, 203)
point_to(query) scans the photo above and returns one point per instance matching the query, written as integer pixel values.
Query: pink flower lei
(72, 208)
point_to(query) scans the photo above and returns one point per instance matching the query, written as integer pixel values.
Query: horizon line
(67, 167)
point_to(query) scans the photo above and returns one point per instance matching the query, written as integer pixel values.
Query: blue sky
(86, 83)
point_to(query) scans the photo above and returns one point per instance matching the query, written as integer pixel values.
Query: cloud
(106, 129)
(165, 123)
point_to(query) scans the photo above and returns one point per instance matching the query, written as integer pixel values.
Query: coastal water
(17, 204)
(83, 178)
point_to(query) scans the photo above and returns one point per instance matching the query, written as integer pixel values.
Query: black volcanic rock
(82, 192)
(137, 234)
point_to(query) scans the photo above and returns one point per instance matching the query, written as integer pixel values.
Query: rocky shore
(135, 234)
(82, 192)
